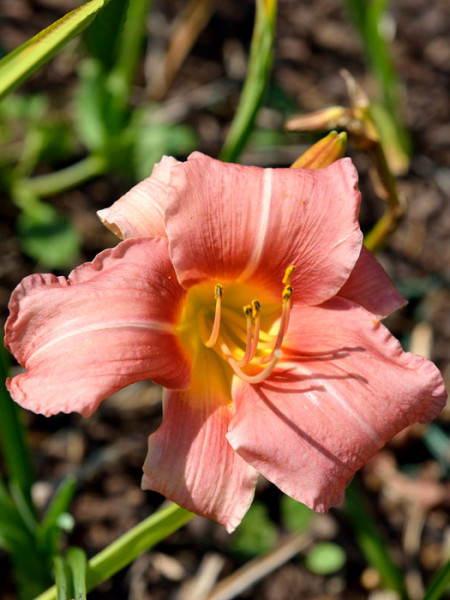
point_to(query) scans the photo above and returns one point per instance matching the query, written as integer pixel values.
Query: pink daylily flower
(247, 294)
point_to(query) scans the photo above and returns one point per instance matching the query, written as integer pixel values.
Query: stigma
(250, 351)
(218, 294)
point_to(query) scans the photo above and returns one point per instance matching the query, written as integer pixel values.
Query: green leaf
(13, 440)
(63, 580)
(256, 533)
(19, 64)
(60, 501)
(76, 561)
(325, 558)
(129, 546)
(26, 511)
(100, 116)
(258, 74)
(57, 518)
(370, 541)
(47, 236)
(153, 141)
(14, 535)
(440, 584)
(129, 50)
(90, 106)
(102, 36)
(295, 515)
(29, 565)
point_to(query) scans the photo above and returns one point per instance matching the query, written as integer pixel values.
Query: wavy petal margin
(111, 323)
(140, 212)
(189, 459)
(344, 388)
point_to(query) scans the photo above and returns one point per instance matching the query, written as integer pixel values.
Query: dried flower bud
(324, 152)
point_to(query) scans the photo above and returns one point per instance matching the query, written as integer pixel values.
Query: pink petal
(369, 286)
(248, 223)
(140, 212)
(346, 388)
(110, 324)
(189, 459)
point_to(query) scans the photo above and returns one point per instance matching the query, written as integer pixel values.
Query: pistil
(218, 294)
(248, 346)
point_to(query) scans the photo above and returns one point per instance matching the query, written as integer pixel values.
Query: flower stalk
(129, 546)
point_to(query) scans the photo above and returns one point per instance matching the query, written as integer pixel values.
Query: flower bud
(324, 152)
(328, 118)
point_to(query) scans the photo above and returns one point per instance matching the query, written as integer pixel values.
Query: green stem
(378, 235)
(258, 73)
(129, 546)
(15, 449)
(66, 179)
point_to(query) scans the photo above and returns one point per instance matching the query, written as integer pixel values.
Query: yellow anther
(288, 273)
(256, 307)
(218, 291)
(287, 292)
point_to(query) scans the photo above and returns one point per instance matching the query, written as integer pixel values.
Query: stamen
(256, 308)
(260, 376)
(218, 294)
(284, 323)
(248, 347)
(252, 312)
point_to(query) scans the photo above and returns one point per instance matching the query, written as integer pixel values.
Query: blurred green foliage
(325, 558)
(256, 534)
(295, 516)
(117, 136)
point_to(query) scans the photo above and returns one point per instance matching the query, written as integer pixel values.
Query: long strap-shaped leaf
(22, 62)
(258, 74)
(129, 546)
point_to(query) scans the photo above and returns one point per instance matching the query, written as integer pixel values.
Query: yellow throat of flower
(246, 334)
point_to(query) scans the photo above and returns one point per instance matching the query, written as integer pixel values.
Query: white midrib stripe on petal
(149, 325)
(262, 228)
(365, 426)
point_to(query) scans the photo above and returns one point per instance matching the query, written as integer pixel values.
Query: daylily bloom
(247, 294)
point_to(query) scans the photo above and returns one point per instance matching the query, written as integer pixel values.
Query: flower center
(247, 334)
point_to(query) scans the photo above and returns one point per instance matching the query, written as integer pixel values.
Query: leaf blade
(255, 85)
(22, 62)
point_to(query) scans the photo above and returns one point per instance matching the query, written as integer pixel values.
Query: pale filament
(252, 344)
(218, 293)
(284, 323)
(259, 377)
